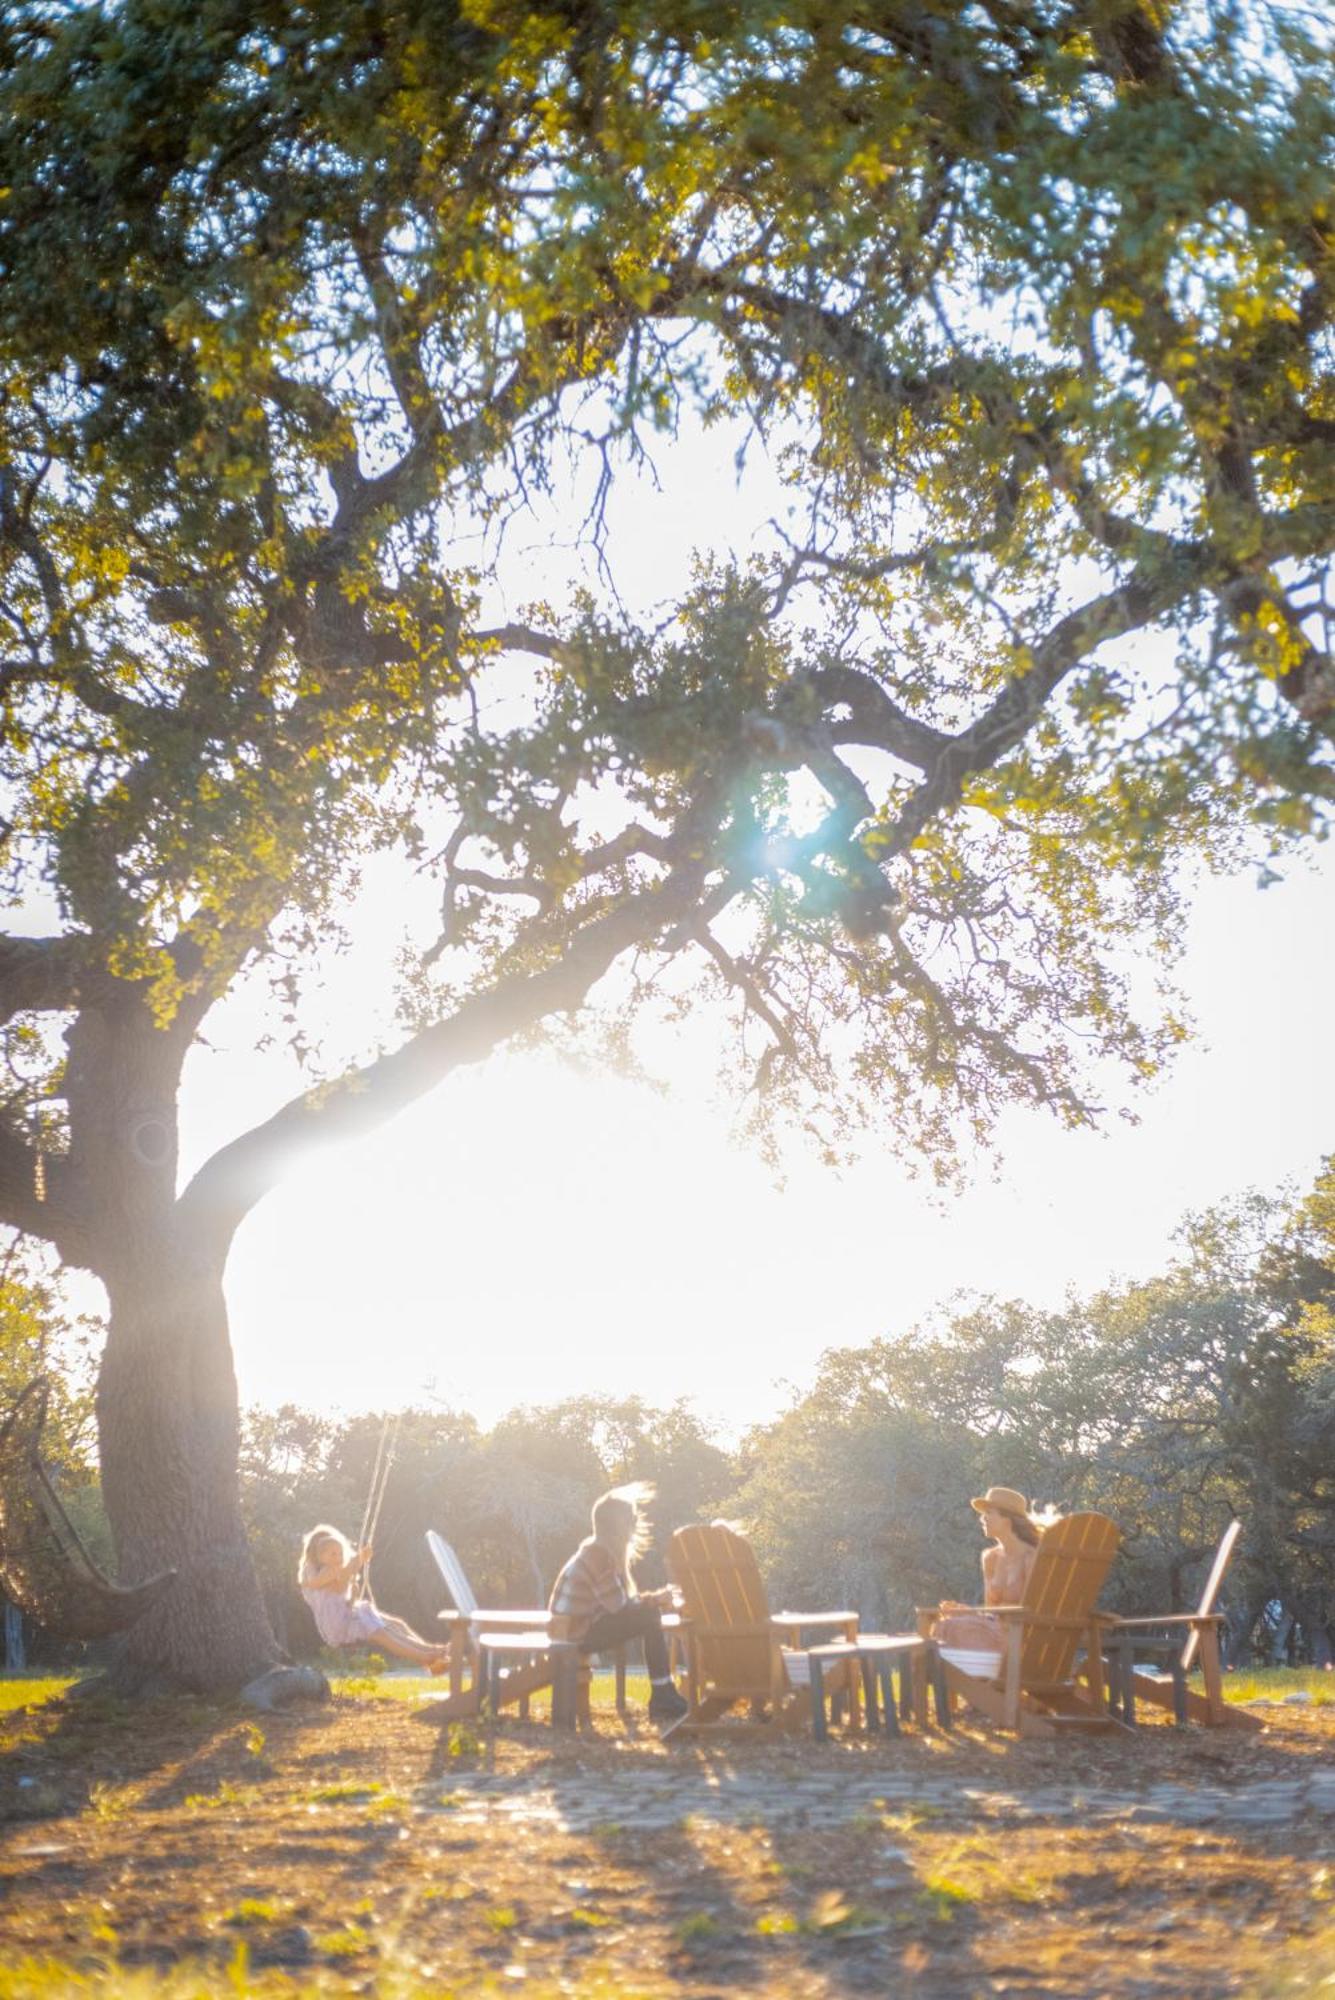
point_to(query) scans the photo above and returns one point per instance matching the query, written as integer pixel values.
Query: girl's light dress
(340, 1622)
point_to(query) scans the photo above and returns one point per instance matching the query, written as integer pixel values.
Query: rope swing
(375, 1498)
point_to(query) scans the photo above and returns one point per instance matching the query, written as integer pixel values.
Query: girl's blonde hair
(307, 1567)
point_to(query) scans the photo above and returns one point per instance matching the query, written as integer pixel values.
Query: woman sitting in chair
(1014, 1534)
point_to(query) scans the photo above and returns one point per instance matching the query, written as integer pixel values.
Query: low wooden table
(878, 1656)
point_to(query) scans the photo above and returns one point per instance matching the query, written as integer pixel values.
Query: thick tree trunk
(167, 1423)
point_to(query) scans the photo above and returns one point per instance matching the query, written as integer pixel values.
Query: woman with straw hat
(1014, 1534)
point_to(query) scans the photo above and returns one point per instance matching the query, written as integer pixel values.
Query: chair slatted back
(1223, 1555)
(725, 1599)
(452, 1571)
(1073, 1561)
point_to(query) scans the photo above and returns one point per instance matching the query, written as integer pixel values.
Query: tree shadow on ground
(53, 1757)
(850, 1898)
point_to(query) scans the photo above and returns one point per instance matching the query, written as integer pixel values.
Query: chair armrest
(1016, 1614)
(1197, 1618)
(793, 1621)
(504, 1619)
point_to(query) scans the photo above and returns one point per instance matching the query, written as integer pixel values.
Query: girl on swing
(327, 1576)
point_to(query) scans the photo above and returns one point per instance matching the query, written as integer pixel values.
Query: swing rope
(375, 1498)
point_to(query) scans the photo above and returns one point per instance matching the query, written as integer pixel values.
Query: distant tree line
(1171, 1403)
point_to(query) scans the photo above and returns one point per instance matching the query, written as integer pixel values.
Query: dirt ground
(363, 1846)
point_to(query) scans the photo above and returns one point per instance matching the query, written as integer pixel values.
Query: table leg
(941, 1689)
(885, 1673)
(819, 1728)
(868, 1667)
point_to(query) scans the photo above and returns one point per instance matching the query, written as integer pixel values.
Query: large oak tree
(1031, 303)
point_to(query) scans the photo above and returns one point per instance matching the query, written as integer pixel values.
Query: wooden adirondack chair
(1168, 1690)
(466, 1621)
(526, 1652)
(1036, 1690)
(735, 1649)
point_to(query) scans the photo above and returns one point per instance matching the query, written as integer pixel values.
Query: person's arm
(992, 1591)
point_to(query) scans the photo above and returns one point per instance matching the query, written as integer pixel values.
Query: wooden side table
(878, 1656)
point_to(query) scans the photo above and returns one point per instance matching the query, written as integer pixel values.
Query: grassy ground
(181, 1849)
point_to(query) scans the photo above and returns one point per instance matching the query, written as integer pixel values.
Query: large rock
(281, 1687)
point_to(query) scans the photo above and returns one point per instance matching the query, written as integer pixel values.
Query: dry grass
(180, 1850)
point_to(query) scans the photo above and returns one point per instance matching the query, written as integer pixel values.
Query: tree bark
(168, 1432)
(166, 1400)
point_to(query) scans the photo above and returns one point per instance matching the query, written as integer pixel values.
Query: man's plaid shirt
(589, 1586)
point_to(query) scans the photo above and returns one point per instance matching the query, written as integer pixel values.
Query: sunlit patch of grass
(227, 1794)
(1303, 1970)
(18, 1691)
(910, 1819)
(448, 1892)
(253, 1910)
(56, 1979)
(832, 1915)
(778, 1923)
(384, 1687)
(348, 1942)
(350, 1792)
(1276, 1682)
(970, 1872)
(500, 1918)
(108, 1802)
(944, 1896)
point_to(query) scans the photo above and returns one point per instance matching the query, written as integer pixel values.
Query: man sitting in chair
(595, 1603)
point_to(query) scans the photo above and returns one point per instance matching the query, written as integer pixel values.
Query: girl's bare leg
(405, 1631)
(431, 1657)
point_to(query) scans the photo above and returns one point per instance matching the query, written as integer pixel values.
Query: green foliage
(1031, 308)
(38, 1338)
(1171, 1404)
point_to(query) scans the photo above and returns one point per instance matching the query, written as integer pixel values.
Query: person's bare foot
(439, 1664)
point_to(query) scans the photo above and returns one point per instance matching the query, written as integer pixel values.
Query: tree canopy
(1031, 307)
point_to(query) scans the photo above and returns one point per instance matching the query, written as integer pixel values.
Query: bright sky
(529, 1232)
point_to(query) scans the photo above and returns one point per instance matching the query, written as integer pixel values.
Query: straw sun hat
(1002, 1500)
